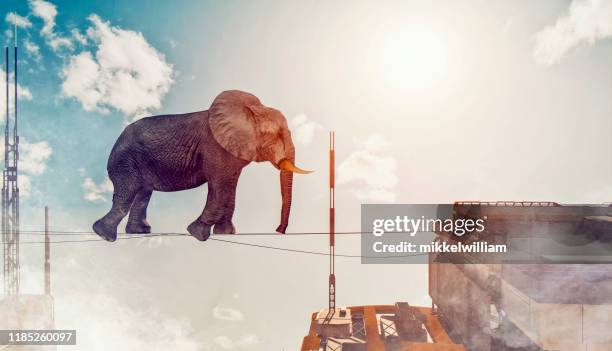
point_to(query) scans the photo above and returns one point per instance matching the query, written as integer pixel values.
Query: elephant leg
(137, 220)
(126, 186)
(225, 225)
(200, 228)
(220, 198)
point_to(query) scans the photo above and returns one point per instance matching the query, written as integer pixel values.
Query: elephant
(178, 152)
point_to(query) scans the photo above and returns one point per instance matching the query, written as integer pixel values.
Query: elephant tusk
(286, 165)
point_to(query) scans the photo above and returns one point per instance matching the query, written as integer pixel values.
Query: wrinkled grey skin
(179, 152)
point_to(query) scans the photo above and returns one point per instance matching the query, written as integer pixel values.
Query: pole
(332, 226)
(6, 128)
(15, 28)
(47, 254)
(5, 244)
(15, 196)
(15, 136)
(14, 199)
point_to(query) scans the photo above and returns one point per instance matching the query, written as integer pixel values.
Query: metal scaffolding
(10, 189)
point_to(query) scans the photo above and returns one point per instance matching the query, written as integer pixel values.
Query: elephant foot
(107, 232)
(141, 227)
(199, 230)
(224, 228)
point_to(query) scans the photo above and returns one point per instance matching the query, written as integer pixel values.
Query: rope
(308, 252)
(226, 241)
(64, 233)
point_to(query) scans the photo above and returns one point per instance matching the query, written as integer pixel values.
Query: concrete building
(553, 292)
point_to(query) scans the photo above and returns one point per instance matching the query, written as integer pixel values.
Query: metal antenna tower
(10, 189)
(332, 227)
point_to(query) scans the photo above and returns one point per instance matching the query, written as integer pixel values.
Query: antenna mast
(10, 189)
(47, 254)
(332, 227)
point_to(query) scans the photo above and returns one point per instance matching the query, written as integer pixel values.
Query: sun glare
(413, 60)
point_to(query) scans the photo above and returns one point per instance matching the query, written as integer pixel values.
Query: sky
(431, 102)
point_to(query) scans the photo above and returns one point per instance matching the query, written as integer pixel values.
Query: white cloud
(25, 185)
(96, 192)
(32, 49)
(56, 43)
(370, 173)
(303, 129)
(131, 329)
(374, 143)
(80, 38)
(23, 93)
(125, 72)
(19, 21)
(586, 22)
(33, 158)
(224, 342)
(93, 303)
(227, 314)
(45, 11)
(246, 341)
(81, 80)
(155, 242)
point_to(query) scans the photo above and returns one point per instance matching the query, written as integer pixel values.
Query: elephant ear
(232, 123)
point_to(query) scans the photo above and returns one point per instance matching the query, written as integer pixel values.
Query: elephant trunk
(286, 185)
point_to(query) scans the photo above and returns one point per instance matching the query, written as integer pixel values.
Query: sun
(413, 60)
